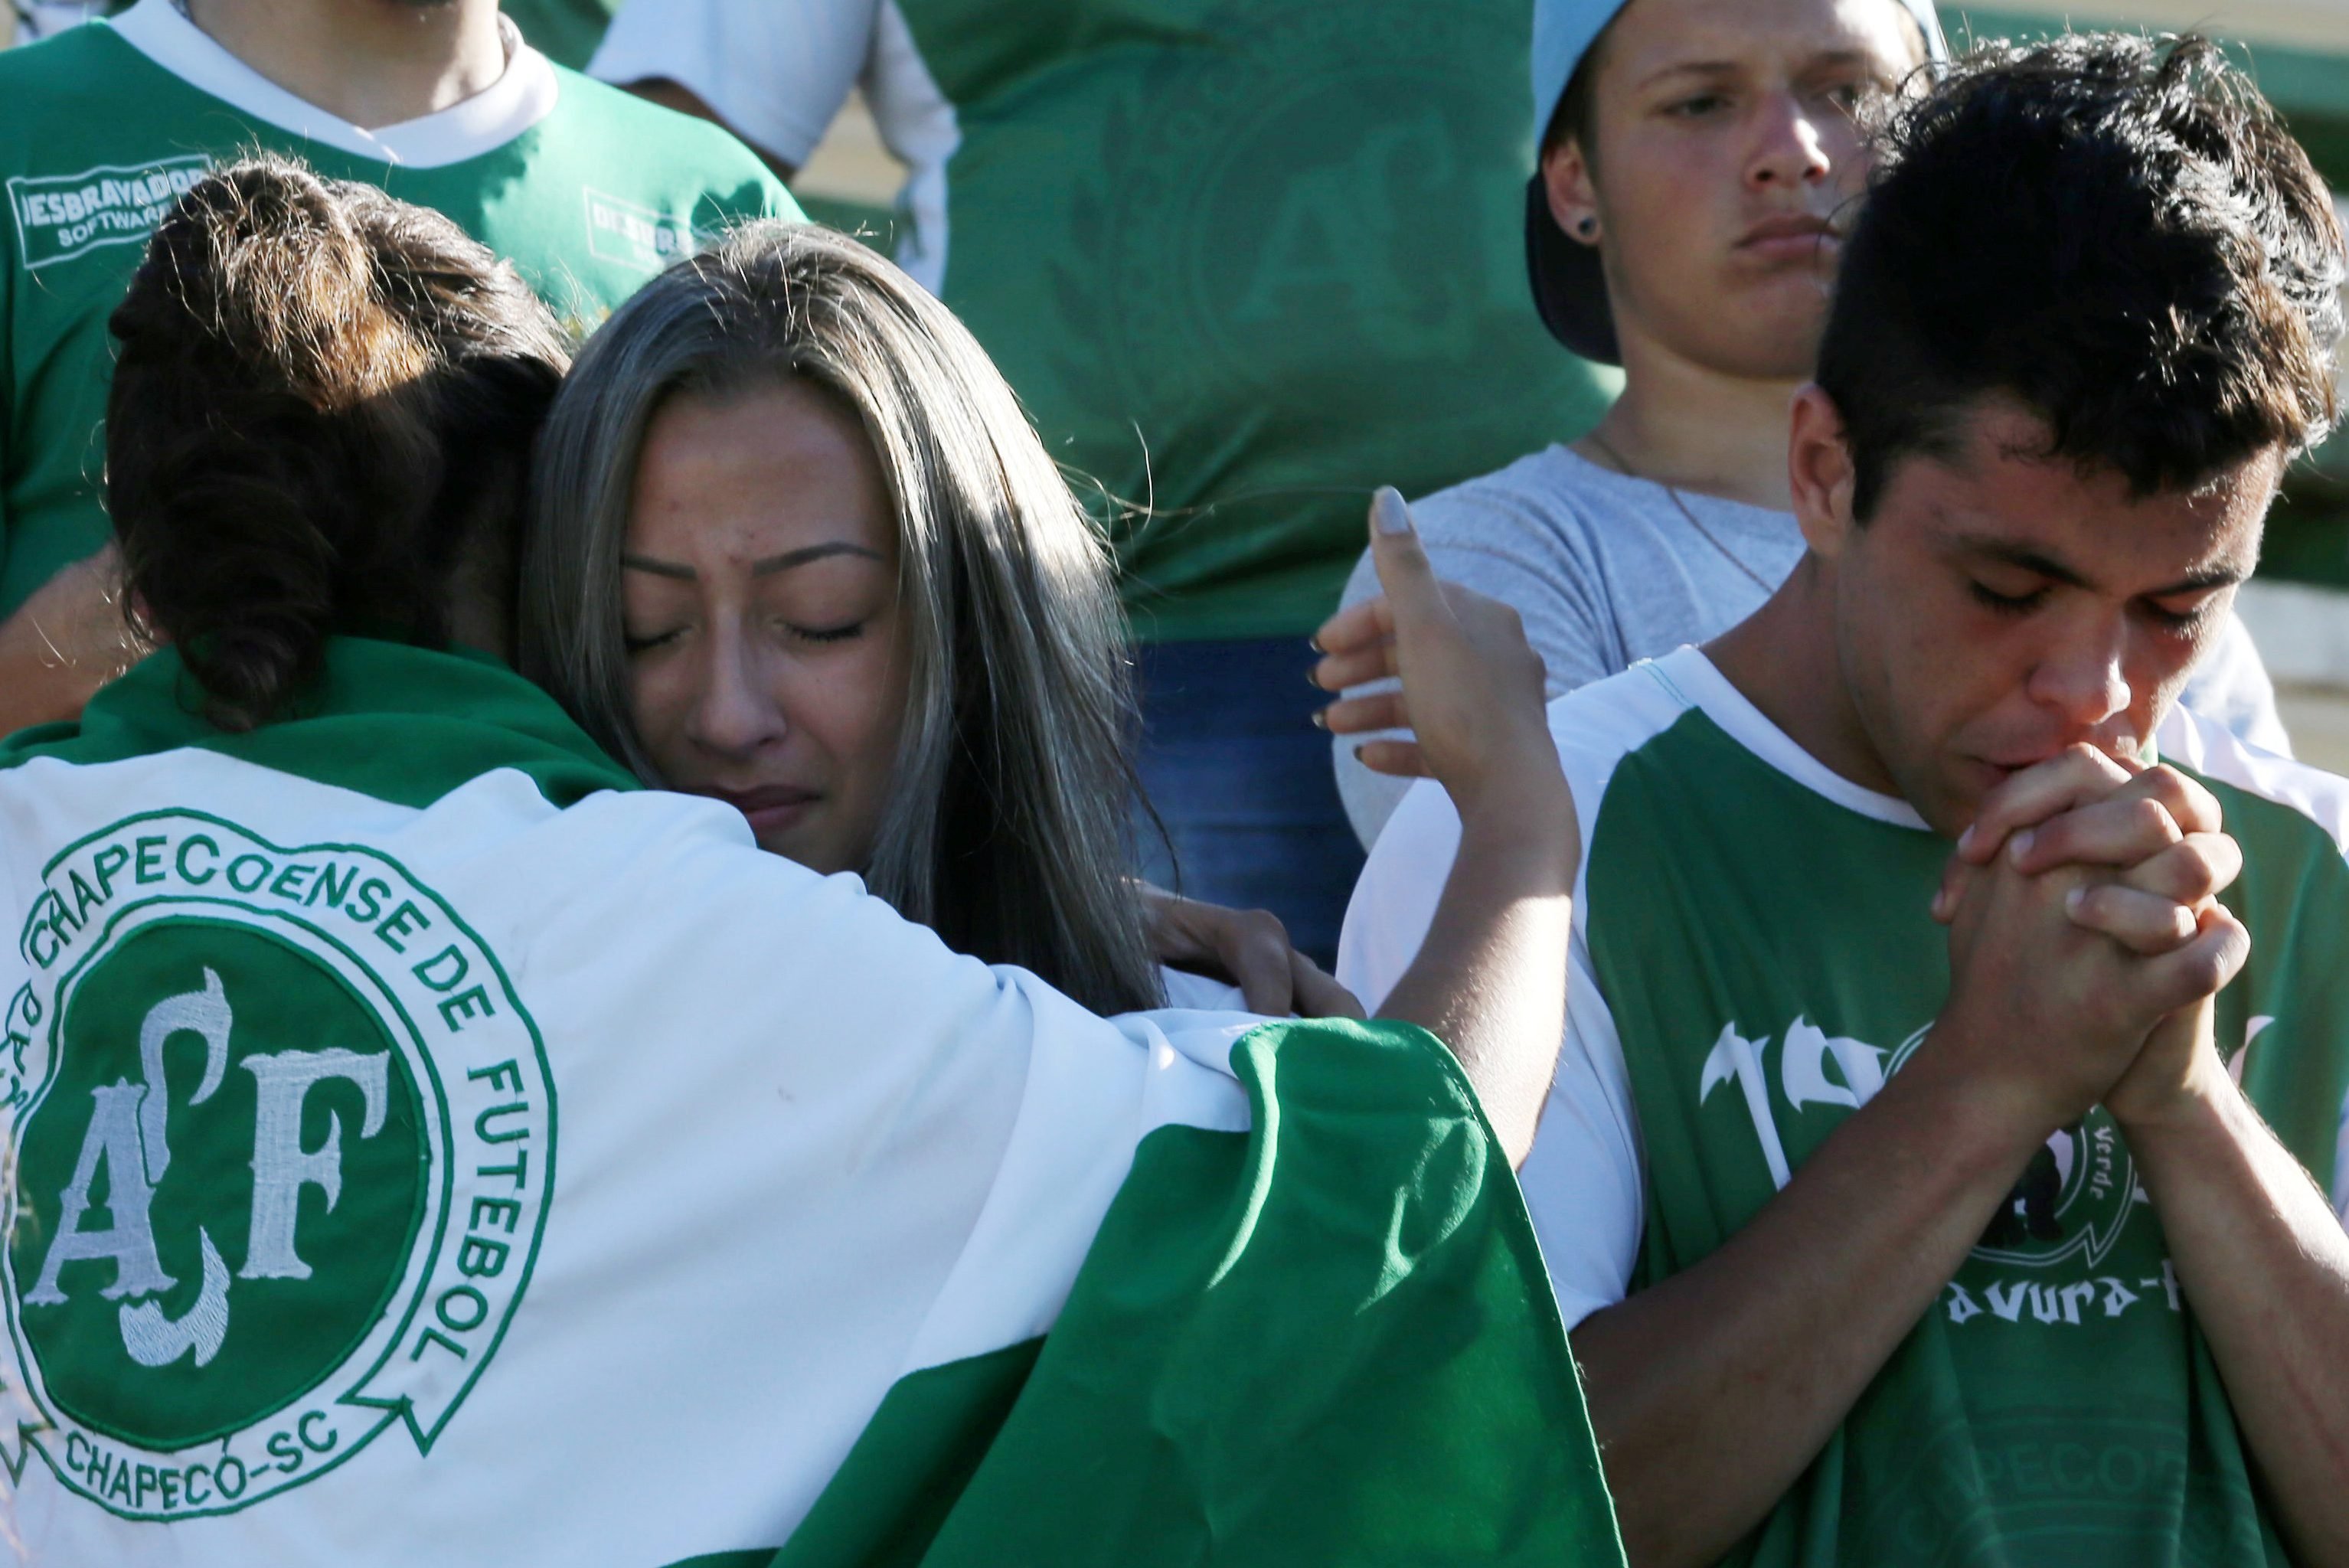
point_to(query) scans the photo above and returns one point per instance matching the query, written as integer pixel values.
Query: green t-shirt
(1243, 260)
(1754, 956)
(588, 190)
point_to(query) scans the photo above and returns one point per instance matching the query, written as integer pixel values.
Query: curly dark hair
(2113, 232)
(322, 412)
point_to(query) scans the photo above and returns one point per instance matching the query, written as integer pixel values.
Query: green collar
(402, 724)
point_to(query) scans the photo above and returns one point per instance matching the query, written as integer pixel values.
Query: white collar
(1688, 674)
(523, 94)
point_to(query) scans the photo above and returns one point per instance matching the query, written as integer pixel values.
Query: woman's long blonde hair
(1006, 825)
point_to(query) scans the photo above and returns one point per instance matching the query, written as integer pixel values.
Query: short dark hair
(2113, 232)
(323, 406)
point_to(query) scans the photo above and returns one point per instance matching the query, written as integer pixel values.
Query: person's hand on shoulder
(1250, 949)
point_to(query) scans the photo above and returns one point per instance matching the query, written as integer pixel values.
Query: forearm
(40, 680)
(1712, 1392)
(2265, 1267)
(1490, 979)
(62, 644)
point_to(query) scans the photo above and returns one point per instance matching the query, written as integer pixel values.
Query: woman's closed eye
(838, 633)
(637, 642)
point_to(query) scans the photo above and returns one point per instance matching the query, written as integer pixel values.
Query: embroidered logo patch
(59, 217)
(284, 1140)
(635, 236)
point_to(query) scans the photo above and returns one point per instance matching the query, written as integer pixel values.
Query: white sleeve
(775, 72)
(1583, 1181)
(2231, 686)
(1395, 901)
(916, 123)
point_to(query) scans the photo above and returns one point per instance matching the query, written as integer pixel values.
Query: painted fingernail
(2075, 898)
(1321, 719)
(1314, 642)
(1966, 839)
(1388, 514)
(2020, 845)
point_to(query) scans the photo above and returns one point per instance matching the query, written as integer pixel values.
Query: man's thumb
(1404, 571)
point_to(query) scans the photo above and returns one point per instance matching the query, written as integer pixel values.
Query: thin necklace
(1707, 534)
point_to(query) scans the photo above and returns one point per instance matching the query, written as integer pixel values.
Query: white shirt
(778, 73)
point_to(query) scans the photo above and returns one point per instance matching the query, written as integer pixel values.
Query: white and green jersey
(1242, 260)
(425, 1147)
(588, 190)
(1753, 955)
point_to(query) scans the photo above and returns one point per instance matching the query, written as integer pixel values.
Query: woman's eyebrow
(766, 567)
(657, 568)
(791, 558)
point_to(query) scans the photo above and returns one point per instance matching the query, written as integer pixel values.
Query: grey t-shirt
(1607, 571)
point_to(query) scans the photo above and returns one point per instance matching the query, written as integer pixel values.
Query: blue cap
(1569, 285)
(1565, 29)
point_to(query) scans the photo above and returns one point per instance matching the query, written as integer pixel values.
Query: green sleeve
(756, 194)
(779, 199)
(1329, 1339)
